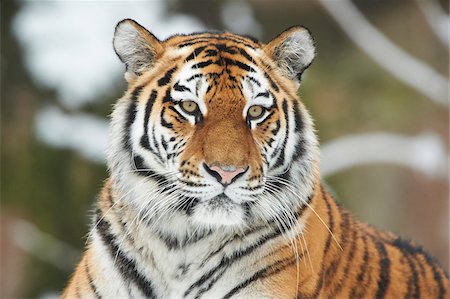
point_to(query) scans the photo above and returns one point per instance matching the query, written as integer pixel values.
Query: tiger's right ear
(136, 47)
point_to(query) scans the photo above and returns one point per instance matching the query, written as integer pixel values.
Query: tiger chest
(205, 272)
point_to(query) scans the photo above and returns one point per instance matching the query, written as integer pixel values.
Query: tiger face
(211, 132)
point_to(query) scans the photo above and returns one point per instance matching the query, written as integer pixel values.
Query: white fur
(295, 53)
(133, 49)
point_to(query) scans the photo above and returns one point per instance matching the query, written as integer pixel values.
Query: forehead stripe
(245, 54)
(208, 39)
(272, 83)
(239, 64)
(203, 64)
(181, 88)
(167, 76)
(195, 53)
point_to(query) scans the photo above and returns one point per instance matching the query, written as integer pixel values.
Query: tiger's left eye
(190, 107)
(255, 112)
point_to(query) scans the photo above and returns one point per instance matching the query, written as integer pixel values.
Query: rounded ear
(293, 51)
(136, 47)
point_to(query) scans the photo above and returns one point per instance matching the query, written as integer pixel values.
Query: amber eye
(190, 107)
(255, 112)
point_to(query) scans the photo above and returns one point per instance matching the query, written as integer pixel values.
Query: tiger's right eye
(190, 107)
(255, 112)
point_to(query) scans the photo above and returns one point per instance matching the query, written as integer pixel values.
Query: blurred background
(378, 91)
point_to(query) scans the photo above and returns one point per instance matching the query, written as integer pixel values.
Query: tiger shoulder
(214, 187)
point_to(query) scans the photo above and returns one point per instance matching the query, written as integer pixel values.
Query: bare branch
(406, 68)
(424, 153)
(43, 246)
(437, 18)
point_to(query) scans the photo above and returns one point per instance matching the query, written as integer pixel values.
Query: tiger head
(211, 132)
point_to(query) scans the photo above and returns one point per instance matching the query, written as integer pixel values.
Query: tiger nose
(224, 174)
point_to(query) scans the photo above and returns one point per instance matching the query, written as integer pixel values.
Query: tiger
(215, 189)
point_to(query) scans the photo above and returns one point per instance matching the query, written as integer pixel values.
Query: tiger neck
(178, 233)
(177, 259)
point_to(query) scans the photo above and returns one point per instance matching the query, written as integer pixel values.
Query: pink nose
(226, 173)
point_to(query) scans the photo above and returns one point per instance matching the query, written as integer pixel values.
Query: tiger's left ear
(293, 51)
(136, 47)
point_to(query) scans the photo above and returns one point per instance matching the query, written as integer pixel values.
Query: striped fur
(165, 227)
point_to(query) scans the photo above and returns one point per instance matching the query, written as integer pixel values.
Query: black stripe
(229, 260)
(345, 220)
(254, 81)
(437, 277)
(164, 123)
(413, 281)
(363, 267)
(172, 242)
(263, 94)
(214, 274)
(267, 118)
(356, 291)
(316, 291)
(330, 221)
(210, 53)
(349, 262)
(222, 246)
(156, 151)
(272, 83)
(263, 273)
(245, 54)
(167, 76)
(207, 38)
(167, 97)
(195, 53)
(297, 118)
(181, 116)
(194, 77)
(144, 170)
(239, 64)
(148, 109)
(224, 48)
(91, 281)
(131, 116)
(204, 64)
(300, 147)
(181, 88)
(125, 265)
(406, 247)
(384, 265)
(281, 157)
(236, 39)
(277, 128)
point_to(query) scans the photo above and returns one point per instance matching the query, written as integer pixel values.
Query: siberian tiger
(215, 189)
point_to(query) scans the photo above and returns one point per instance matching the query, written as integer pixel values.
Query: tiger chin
(214, 188)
